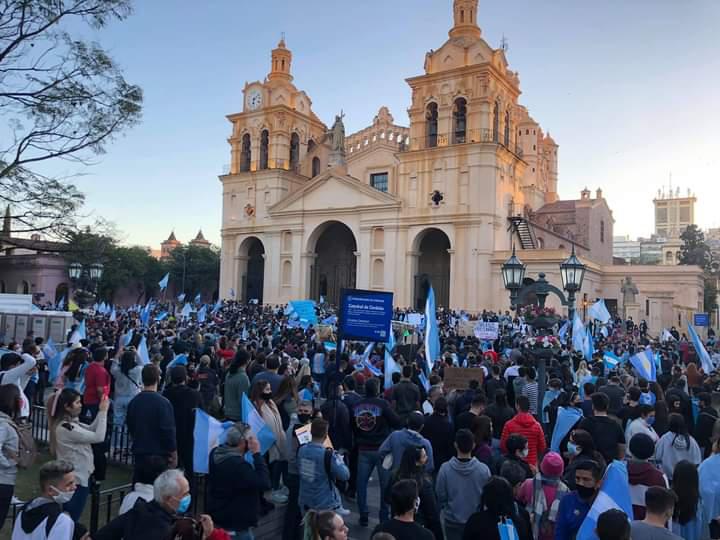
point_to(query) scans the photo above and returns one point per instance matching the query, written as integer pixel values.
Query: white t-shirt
(63, 528)
(19, 376)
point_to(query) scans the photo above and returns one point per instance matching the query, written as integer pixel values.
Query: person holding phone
(72, 441)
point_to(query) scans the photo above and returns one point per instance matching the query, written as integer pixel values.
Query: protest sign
(486, 330)
(459, 378)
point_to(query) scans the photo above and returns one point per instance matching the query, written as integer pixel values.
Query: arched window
(315, 166)
(507, 128)
(264, 144)
(294, 151)
(602, 231)
(23, 288)
(311, 146)
(245, 153)
(431, 117)
(460, 121)
(496, 122)
(2, 287)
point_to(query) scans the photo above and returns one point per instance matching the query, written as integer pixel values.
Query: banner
(458, 377)
(486, 330)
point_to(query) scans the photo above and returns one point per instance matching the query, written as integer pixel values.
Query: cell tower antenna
(504, 44)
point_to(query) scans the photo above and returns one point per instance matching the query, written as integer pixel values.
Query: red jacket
(526, 425)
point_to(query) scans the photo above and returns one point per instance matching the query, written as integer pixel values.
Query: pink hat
(552, 465)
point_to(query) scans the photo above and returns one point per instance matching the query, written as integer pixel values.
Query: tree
(132, 268)
(694, 249)
(199, 265)
(61, 98)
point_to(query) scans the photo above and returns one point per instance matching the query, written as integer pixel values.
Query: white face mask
(62, 497)
(524, 452)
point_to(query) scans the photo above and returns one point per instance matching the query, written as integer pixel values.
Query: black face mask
(585, 492)
(267, 396)
(305, 418)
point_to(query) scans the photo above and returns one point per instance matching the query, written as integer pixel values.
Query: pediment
(331, 191)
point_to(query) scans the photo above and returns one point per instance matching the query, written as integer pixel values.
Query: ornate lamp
(74, 271)
(513, 273)
(572, 273)
(96, 271)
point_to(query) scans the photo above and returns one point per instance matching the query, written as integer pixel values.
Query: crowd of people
(491, 458)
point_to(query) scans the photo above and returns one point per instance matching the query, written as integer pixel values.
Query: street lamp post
(572, 273)
(85, 280)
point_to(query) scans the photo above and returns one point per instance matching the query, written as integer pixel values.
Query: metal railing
(107, 500)
(470, 136)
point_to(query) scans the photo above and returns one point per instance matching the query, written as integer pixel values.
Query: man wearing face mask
(644, 424)
(293, 515)
(154, 520)
(42, 518)
(575, 506)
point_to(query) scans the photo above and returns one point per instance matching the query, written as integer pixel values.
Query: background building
(308, 211)
(673, 213)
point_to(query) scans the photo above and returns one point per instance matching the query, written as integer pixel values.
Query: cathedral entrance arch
(433, 267)
(334, 267)
(251, 270)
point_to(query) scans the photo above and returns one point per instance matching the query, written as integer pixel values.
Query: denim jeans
(76, 505)
(367, 461)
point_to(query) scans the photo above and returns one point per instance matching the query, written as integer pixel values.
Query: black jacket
(484, 525)
(439, 431)
(235, 487)
(340, 430)
(144, 521)
(704, 428)
(151, 423)
(373, 421)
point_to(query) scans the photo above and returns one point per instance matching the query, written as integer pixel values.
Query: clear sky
(627, 88)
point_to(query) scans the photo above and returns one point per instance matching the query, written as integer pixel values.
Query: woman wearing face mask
(261, 397)
(581, 449)
(71, 441)
(644, 424)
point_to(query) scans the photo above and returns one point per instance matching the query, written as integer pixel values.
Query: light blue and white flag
(706, 362)
(611, 360)
(164, 282)
(198, 298)
(614, 494)
(562, 333)
(127, 338)
(322, 299)
(181, 297)
(330, 346)
(599, 311)
(217, 306)
(61, 304)
(432, 333)
(143, 352)
(113, 315)
(332, 320)
(179, 360)
(81, 330)
(391, 366)
(208, 434)
(579, 335)
(202, 314)
(250, 416)
(644, 364)
(604, 331)
(589, 345)
(567, 417)
(424, 380)
(55, 363)
(161, 316)
(666, 336)
(186, 310)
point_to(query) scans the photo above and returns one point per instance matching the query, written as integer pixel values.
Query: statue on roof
(338, 133)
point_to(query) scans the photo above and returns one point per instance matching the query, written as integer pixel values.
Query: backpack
(542, 517)
(27, 449)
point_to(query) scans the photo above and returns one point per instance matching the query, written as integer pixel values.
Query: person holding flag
(237, 478)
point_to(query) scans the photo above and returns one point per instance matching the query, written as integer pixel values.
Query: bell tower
(281, 60)
(465, 16)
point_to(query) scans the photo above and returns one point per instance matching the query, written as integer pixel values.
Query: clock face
(254, 99)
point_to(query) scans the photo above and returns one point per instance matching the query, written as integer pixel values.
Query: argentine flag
(61, 304)
(614, 494)
(432, 333)
(578, 334)
(599, 312)
(424, 381)
(644, 364)
(562, 333)
(142, 351)
(208, 434)
(250, 416)
(181, 297)
(702, 353)
(567, 417)
(390, 365)
(610, 360)
(164, 282)
(589, 346)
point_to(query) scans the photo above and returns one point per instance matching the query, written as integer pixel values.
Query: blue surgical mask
(572, 448)
(184, 504)
(650, 420)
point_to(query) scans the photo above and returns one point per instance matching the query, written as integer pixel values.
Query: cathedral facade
(308, 210)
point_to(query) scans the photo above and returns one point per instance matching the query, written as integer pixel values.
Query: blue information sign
(365, 315)
(701, 319)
